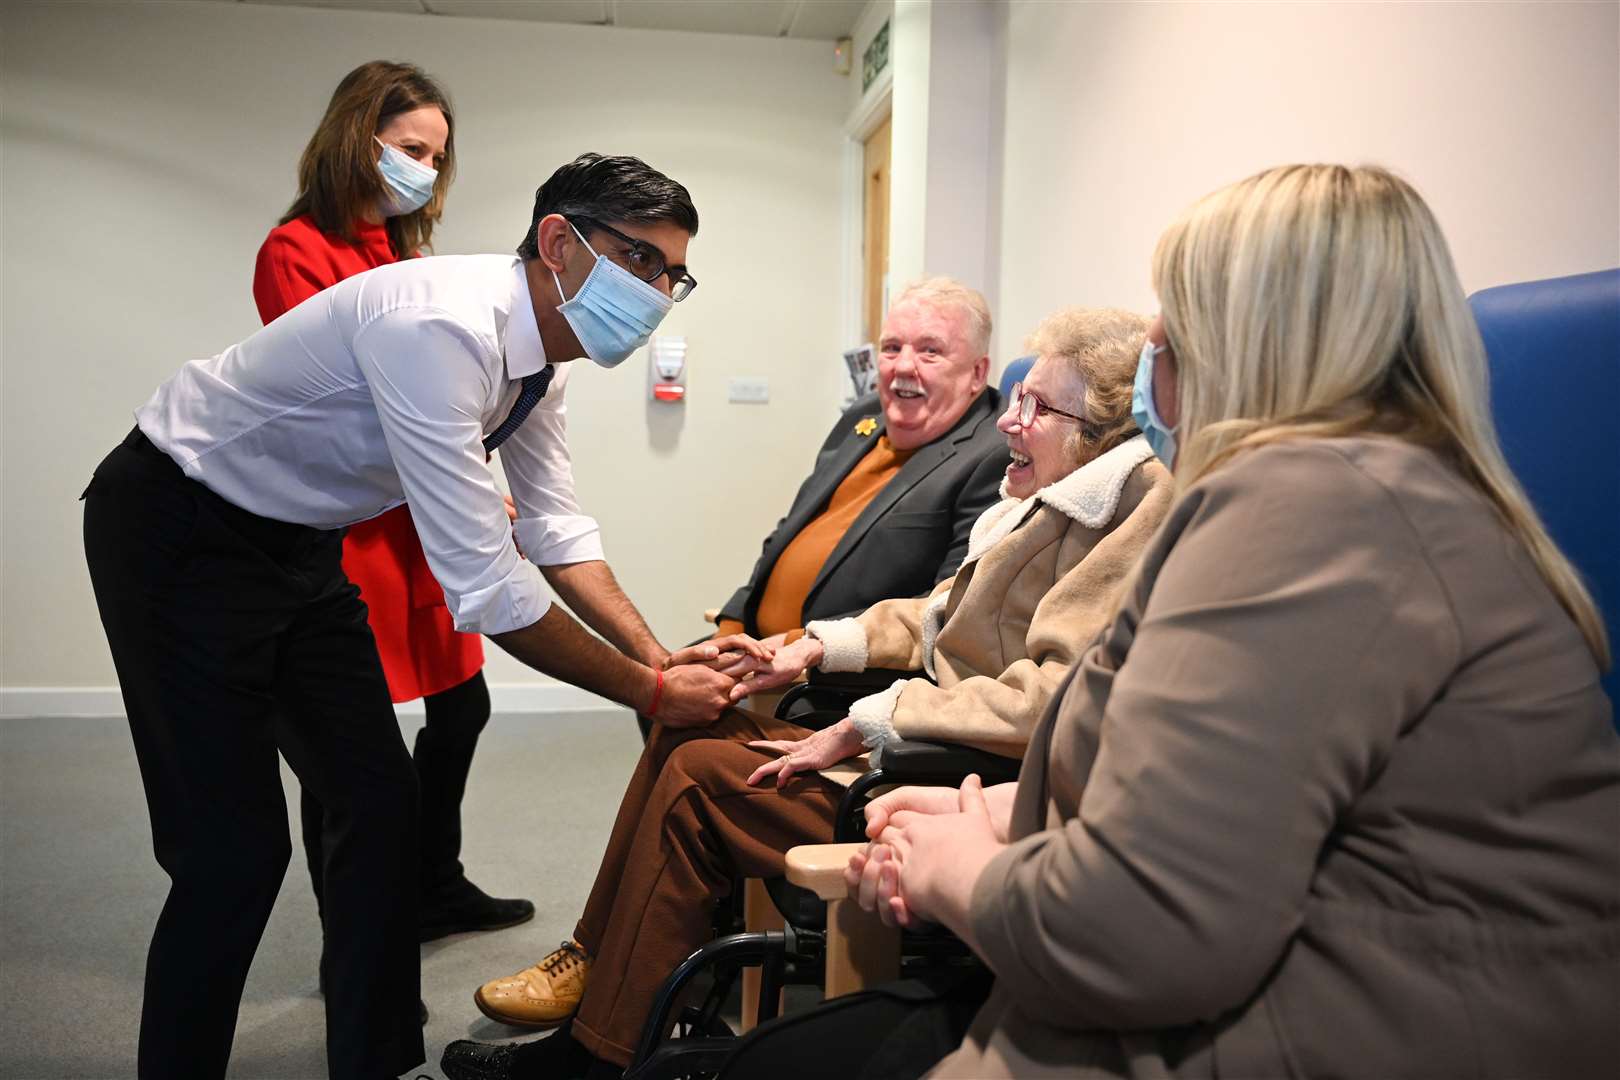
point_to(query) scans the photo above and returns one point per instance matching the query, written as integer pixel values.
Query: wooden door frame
(866, 119)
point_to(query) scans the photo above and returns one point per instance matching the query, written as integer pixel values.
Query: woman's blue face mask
(614, 312)
(1160, 436)
(407, 183)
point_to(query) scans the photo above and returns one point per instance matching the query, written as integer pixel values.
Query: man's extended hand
(693, 696)
(788, 664)
(733, 654)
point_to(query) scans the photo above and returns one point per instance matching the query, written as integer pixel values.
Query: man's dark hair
(609, 190)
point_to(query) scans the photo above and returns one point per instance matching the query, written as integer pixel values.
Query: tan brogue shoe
(542, 996)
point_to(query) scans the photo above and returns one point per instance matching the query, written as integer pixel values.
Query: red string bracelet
(658, 695)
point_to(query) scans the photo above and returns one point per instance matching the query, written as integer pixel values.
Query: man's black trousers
(236, 636)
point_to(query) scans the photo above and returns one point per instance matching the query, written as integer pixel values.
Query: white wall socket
(750, 391)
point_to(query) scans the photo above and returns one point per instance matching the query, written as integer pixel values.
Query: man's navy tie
(534, 388)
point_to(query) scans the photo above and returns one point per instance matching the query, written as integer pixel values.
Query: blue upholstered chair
(1014, 372)
(1554, 349)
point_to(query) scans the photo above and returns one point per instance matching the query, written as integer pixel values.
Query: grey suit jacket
(1336, 794)
(909, 538)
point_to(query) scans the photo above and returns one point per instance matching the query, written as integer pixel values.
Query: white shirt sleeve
(426, 379)
(539, 470)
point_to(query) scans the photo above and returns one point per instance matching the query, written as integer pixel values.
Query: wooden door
(875, 249)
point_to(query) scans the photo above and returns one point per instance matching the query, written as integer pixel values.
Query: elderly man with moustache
(895, 489)
(899, 482)
(887, 511)
(894, 492)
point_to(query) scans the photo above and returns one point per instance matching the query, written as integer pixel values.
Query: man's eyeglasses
(1029, 406)
(644, 260)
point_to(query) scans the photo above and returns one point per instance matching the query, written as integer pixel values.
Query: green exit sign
(875, 59)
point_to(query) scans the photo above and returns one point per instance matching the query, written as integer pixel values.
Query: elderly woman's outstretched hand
(733, 655)
(788, 664)
(826, 747)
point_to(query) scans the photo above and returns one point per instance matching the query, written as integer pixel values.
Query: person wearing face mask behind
(371, 188)
(213, 536)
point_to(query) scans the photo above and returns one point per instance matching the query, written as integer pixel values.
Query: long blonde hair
(1313, 301)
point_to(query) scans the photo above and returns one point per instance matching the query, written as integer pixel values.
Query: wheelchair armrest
(860, 683)
(802, 698)
(824, 693)
(820, 868)
(920, 761)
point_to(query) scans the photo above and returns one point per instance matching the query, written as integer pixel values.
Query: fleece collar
(1089, 495)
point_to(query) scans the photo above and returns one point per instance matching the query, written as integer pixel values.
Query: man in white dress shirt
(213, 536)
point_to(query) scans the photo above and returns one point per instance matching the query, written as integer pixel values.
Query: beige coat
(1336, 794)
(997, 638)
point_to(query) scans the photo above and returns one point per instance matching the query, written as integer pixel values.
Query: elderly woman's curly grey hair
(1101, 345)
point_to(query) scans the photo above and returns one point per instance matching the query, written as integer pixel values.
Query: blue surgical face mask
(408, 184)
(1160, 436)
(614, 312)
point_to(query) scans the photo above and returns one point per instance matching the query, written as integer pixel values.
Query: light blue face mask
(408, 184)
(614, 312)
(1160, 436)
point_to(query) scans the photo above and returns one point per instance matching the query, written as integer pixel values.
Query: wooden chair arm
(820, 868)
(861, 951)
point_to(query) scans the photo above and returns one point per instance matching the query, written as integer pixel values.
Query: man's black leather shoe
(462, 907)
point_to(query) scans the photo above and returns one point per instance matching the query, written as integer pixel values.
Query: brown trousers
(689, 823)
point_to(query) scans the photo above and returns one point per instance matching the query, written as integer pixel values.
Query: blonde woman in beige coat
(1084, 496)
(1337, 791)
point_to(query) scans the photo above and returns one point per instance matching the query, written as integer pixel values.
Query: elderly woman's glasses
(644, 260)
(1030, 405)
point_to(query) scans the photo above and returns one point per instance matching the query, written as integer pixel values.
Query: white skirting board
(104, 701)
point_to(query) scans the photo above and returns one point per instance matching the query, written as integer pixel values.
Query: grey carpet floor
(79, 893)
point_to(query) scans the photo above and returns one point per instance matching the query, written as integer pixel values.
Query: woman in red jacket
(371, 186)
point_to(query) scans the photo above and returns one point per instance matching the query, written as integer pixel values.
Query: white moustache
(908, 386)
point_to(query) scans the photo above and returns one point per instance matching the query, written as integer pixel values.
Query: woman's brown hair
(338, 179)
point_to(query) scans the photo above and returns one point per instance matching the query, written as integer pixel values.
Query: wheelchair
(824, 937)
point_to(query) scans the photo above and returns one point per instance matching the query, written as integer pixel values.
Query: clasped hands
(928, 847)
(783, 664)
(701, 680)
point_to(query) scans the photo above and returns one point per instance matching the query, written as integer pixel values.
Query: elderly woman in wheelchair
(1082, 496)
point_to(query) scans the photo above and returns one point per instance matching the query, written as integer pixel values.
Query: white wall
(148, 147)
(943, 135)
(1506, 116)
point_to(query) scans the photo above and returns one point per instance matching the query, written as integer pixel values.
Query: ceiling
(826, 20)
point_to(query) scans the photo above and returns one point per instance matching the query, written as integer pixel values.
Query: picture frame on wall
(862, 364)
